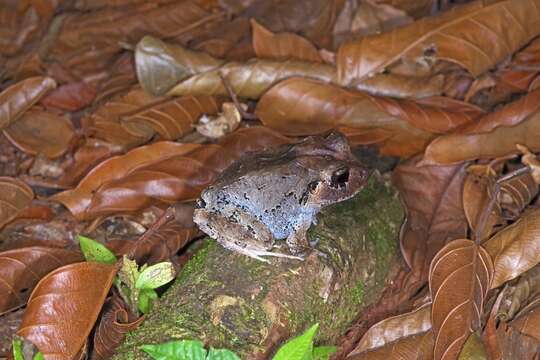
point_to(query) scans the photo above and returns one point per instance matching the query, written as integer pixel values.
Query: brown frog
(277, 194)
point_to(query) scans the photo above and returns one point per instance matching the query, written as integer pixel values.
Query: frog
(276, 194)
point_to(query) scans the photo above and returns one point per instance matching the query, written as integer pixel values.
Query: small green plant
(18, 353)
(301, 348)
(187, 350)
(136, 285)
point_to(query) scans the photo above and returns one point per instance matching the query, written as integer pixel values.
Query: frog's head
(336, 173)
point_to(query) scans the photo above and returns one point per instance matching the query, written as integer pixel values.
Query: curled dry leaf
(396, 327)
(215, 127)
(160, 66)
(517, 295)
(419, 346)
(459, 279)
(401, 86)
(164, 172)
(112, 329)
(523, 69)
(476, 36)
(15, 195)
(41, 132)
(252, 78)
(438, 218)
(516, 248)
(64, 307)
(18, 98)
(282, 46)
(21, 269)
(173, 118)
(494, 135)
(532, 161)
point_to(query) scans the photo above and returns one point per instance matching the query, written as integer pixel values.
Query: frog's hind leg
(297, 241)
(258, 254)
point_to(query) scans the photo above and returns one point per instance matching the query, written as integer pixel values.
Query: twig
(232, 95)
(162, 220)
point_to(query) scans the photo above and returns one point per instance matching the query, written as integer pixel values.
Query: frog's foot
(258, 254)
(297, 241)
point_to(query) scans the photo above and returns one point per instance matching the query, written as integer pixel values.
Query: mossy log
(231, 301)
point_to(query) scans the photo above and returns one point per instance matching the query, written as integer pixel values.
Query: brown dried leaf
(419, 346)
(64, 307)
(21, 269)
(529, 323)
(459, 279)
(112, 329)
(70, 97)
(494, 135)
(15, 195)
(41, 132)
(282, 46)
(401, 86)
(517, 296)
(251, 79)
(523, 68)
(163, 172)
(173, 118)
(160, 66)
(18, 98)
(515, 249)
(78, 199)
(395, 328)
(299, 106)
(438, 218)
(476, 36)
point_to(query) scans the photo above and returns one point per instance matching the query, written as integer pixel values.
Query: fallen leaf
(15, 195)
(520, 294)
(494, 135)
(438, 218)
(395, 328)
(516, 248)
(53, 320)
(18, 98)
(459, 279)
(21, 269)
(41, 132)
(299, 106)
(400, 86)
(529, 323)
(173, 118)
(282, 46)
(70, 97)
(476, 36)
(419, 346)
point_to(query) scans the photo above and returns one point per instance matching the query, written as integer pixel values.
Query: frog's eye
(339, 177)
(200, 203)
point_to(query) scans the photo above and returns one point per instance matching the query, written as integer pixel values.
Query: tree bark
(231, 301)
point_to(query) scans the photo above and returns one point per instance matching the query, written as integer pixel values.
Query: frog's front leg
(297, 240)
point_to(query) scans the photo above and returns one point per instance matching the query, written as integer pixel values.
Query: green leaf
(95, 252)
(39, 356)
(221, 354)
(299, 348)
(176, 350)
(146, 300)
(156, 275)
(17, 349)
(323, 352)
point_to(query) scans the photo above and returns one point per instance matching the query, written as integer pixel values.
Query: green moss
(357, 293)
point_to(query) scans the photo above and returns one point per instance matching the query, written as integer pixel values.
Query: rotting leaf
(516, 248)
(41, 132)
(476, 36)
(528, 323)
(53, 320)
(18, 98)
(300, 106)
(15, 195)
(21, 269)
(282, 46)
(517, 296)
(459, 279)
(70, 97)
